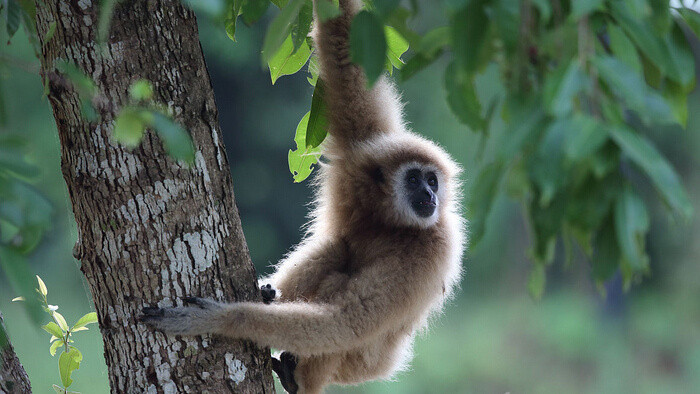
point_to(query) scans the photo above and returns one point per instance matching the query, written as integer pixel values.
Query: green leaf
(13, 15)
(692, 19)
(631, 226)
(18, 274)
(61, 321)
(368, 44)
(279, 29)
(141, 90)
(287, 60)
(462, 97)
(677, 97)
(649, 105)
(546, 167)
(427, 51)
(469, 31)
(521, 130)
(302, 159)
(42, 287)
(53, 329)
(55, 346)
(563, 87)
(581, 8)
(105, 19)
(584, 137)
(177, 141)
(314, 70)
(536, 282)
(130, 125)
(386, 7)
(317, 127)
(682, 57)
(88, 318)
(327, 10)
(396, 46)
(482, 197)
(546, 222)
(231, 18)
(623, 48)
(83, 84)
(606, 251)
(67, 363)
(643, 154)
(302, 25)
(668, 60)
(280, 3)
(253, 10)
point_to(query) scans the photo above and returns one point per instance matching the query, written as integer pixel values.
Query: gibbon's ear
(378, 175)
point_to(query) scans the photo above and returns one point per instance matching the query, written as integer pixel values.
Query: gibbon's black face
(421, 187)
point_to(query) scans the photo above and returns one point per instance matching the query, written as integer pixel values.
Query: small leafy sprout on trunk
(61, 334)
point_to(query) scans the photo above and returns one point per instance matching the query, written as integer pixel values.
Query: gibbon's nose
(428, 195)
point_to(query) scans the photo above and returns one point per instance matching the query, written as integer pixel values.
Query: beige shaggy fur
(369, 271)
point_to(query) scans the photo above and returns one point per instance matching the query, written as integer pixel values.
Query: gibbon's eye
(412, 180)
(432, 179)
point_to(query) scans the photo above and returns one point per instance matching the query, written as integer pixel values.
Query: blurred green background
(492, 338)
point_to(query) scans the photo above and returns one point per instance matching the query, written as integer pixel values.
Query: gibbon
(383, 248)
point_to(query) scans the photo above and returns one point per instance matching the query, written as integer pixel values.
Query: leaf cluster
(61, 337)
(580, 82)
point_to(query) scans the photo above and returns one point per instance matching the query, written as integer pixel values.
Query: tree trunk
(150, 230)
(13, 378)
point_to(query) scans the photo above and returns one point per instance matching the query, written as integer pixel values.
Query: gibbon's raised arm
(355, 113)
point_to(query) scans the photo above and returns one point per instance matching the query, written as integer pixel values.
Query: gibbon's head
(408, 181)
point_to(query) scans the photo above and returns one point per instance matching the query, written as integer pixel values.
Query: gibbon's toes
(151, 312)
(196, 301)
(284, 368)
(268, 293)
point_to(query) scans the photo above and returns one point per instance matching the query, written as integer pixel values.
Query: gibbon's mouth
(424, 208)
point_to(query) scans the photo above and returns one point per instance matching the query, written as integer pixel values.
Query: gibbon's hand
(268, 293)
(184, 320)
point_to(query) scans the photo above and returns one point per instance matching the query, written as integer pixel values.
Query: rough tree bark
(13, 377)
(150, 230)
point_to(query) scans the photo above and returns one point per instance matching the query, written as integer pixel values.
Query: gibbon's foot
(268, 293)
(284, 368)
(203, 303)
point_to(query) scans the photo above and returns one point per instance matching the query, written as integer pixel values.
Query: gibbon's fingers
(268, 293)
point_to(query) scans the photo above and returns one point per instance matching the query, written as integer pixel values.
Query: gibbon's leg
(268, 293)
(315, 372)
(284, 368)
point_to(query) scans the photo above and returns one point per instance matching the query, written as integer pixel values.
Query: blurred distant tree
(13, 378)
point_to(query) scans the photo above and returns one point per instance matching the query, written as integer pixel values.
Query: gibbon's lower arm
(299, 327)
